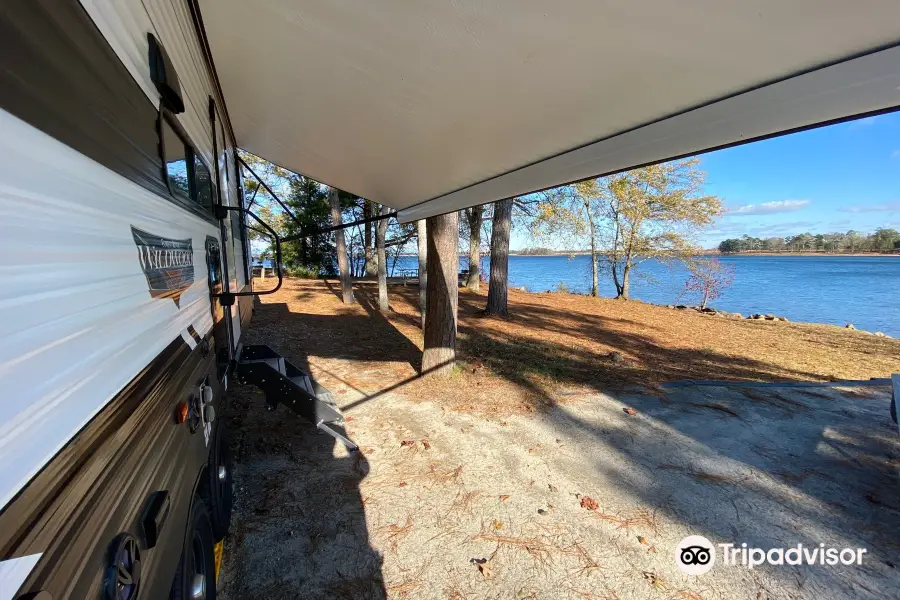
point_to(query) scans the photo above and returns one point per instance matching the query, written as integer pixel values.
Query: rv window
(176, 154)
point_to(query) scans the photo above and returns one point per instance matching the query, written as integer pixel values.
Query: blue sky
(833, 178)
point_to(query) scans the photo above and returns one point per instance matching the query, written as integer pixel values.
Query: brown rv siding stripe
(60, 75)
(98, 485)
(22, 514)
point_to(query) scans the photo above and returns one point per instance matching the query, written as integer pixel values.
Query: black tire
(195, 578)
(221, 489)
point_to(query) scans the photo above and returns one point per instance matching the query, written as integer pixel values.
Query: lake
(862, 290)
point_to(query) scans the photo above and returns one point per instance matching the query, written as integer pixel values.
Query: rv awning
(431, 106)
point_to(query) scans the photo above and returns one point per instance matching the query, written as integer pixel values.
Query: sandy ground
(472, 508)
(579, 499)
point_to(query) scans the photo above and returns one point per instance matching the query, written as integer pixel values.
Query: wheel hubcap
(198, 587)
(223, 472)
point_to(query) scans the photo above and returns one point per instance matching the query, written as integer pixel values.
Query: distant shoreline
(705, 253)
(749, 253)
(807, 253)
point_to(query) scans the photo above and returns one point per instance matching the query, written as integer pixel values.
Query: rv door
(221, 314)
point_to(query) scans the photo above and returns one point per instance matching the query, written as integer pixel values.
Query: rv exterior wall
(109, 318)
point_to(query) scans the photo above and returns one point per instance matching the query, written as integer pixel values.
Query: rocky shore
(758, 317)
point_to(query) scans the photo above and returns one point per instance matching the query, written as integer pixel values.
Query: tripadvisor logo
(696, 555)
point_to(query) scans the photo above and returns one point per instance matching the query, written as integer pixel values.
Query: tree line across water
(623, 220)
(881, 240)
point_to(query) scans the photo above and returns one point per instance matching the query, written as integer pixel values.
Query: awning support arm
(271, 193)
(317, 231)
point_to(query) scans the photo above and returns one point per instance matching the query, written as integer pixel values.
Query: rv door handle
(227, 298)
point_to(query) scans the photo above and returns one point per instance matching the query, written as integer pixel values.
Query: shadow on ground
(299, 529)
(769, 466)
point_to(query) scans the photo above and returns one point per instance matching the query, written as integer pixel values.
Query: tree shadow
(768, 466)
(757, 463)
(766, 472)
(369, 338)
(299, 528)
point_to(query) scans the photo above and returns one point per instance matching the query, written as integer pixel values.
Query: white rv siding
(79, 323)
(125, 25)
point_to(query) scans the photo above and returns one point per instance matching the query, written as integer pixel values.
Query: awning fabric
(435, 105)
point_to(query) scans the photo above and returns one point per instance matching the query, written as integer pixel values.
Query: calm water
(864, 291)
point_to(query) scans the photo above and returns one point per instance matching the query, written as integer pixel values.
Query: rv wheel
(221, 483)
(195, 578)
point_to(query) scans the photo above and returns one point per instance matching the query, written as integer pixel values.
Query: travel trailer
(125, 255)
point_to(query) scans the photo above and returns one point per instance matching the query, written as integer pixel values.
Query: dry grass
(395, 533)
(639, 518)
(551, 345)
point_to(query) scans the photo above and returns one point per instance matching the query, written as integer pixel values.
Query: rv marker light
(181, 412)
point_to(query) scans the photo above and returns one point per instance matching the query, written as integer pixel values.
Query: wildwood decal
(168, 264)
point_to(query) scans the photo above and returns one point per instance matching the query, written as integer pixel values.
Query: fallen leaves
(644, 541)
(504, 497)
(444, 477)
(654, 580)
(497, 525)
(589, 503)
(411, 443)
(483, 567)
(629, 411)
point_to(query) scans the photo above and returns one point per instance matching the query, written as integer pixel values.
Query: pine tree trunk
(341, 248)
(422, 243)
(380, 233)
(371, 264)
(499, 283)
(442, 295)
(475, 216)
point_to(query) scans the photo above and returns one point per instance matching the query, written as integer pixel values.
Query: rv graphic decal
(167, 263)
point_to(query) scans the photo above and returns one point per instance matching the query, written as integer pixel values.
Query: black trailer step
(284, 383)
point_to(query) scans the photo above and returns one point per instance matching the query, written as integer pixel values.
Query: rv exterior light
(181, 412)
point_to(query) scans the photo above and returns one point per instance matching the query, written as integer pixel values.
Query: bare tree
(499, 282)
(343, 263)
(474, 218)
(708, 279)
(422, 242)
(442, 295)
(380, 233)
